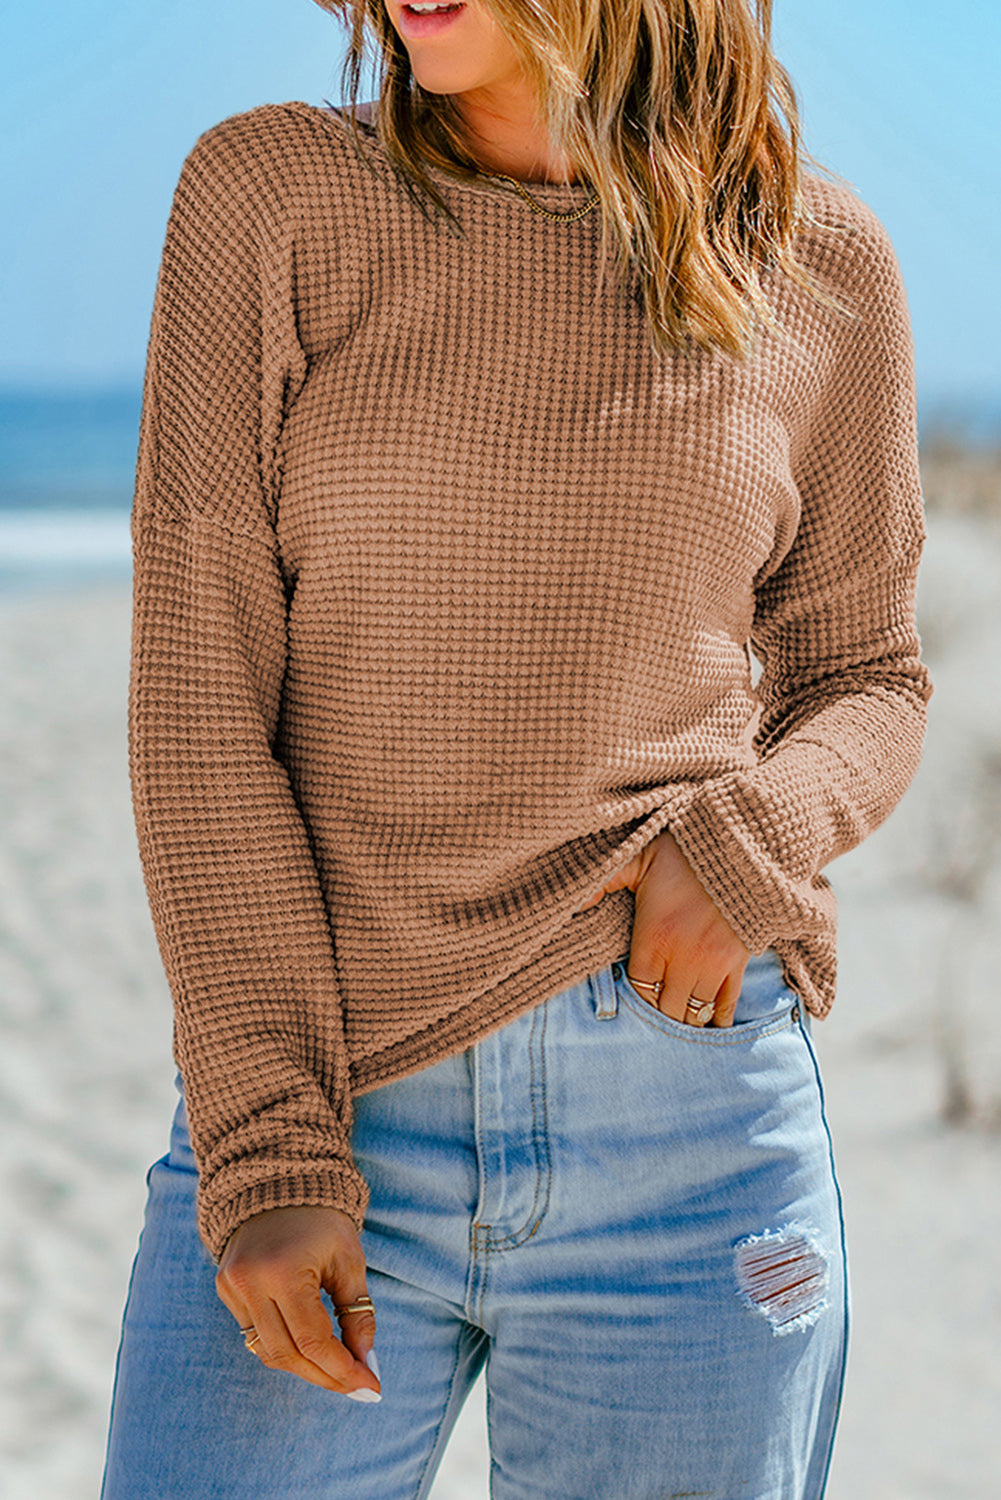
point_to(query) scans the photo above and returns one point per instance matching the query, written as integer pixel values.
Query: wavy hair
(673, 112)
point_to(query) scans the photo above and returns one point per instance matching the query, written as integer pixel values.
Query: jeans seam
(846, 1316)
(419, 1492)
(539, 1137)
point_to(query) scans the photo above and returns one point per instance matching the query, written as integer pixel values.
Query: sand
(86, 1089)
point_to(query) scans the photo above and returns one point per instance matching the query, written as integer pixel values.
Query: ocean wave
(49, 550)
(88, 539)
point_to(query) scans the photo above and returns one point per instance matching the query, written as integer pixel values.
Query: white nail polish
(363, 1395)
(373, 1363)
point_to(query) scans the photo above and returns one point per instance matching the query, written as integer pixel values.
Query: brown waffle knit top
(446, 590)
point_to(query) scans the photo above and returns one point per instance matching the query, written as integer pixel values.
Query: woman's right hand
(270, 1276)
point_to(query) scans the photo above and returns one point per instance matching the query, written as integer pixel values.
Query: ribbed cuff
(329, 1187)
(755, 895)
(728, 872)
(760, 901)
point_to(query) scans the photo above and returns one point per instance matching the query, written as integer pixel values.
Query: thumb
(623, 880)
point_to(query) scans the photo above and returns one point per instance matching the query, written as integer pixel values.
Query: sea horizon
(67, 475)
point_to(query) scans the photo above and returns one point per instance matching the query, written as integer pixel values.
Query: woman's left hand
(679, 935)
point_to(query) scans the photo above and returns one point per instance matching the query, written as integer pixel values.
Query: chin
(440, 80)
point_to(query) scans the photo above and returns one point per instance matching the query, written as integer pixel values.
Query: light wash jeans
(633, 1223)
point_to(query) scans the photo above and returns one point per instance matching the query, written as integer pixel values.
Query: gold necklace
(578, 213)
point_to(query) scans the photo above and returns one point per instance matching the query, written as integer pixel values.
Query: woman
(487, 882)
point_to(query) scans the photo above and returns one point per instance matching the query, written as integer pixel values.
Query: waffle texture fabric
(447, 597)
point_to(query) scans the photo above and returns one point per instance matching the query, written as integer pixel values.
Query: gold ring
(364, 1304)
(646, 984)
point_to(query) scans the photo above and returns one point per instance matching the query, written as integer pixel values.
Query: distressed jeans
(633, 1224)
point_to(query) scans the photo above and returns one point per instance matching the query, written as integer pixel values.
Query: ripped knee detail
(784, 1275)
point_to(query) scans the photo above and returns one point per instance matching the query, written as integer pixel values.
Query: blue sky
(101, 103)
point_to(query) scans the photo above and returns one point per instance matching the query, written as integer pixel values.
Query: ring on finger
(361, 1304)
(646, 984)
(701, 1010)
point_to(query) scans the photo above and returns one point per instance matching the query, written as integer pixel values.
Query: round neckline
(557, 196)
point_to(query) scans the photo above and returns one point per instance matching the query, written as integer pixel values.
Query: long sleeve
(843, 690)
(232, 882)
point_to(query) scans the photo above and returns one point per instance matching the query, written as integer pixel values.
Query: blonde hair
(671, 110)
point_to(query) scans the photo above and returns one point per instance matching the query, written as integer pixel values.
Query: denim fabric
(635, 1224)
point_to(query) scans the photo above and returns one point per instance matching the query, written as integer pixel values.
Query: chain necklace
(567, 218)
(578, 213)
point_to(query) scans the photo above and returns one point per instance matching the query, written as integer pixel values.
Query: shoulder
(842, 237)
(835, 204)
(847, 252)
(271, 150)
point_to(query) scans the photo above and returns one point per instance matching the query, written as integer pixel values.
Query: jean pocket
(766, 1004)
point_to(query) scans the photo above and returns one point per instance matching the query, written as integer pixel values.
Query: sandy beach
(911, 1059)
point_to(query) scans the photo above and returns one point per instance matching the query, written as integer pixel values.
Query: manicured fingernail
(363, 1395)
(373, 1363)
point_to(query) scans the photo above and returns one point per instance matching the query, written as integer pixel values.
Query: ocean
(67, 470)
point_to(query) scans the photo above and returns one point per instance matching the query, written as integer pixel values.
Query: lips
(428, 23)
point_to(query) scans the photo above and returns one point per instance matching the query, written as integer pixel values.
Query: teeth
(423, 9)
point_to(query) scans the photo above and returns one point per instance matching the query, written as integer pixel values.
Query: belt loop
(604, 993)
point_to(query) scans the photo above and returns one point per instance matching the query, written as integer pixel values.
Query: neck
(508, 140)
